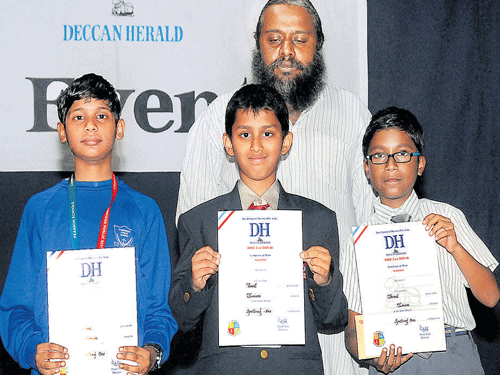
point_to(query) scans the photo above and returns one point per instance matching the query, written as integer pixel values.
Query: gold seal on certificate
(400, 289)
(261, 286)
(92, 306)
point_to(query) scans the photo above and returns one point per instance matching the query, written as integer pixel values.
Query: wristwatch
(159, 354)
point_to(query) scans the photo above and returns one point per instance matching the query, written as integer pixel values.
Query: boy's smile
(91, 131)
(393, 181)
(257, 145)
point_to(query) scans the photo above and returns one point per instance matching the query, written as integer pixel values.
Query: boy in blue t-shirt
(89, 114)
(393, 148)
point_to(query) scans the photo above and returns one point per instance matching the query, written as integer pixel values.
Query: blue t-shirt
(135, 220)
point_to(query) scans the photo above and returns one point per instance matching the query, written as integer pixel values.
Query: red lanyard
(103, 230)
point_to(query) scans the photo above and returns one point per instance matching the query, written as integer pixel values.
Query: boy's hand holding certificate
(400, 289)
(261, 286)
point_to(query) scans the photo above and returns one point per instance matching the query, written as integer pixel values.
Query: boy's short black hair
(88, 86)
(257, 98)
(398, 118)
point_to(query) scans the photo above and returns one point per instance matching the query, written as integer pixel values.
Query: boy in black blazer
(257, 137)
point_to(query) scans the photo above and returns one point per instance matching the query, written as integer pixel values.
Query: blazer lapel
(285, 201)
(232, 201)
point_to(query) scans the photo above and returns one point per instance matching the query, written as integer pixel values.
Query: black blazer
(325, 307)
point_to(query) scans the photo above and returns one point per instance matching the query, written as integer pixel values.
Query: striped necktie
(259, 207)
(402, 218)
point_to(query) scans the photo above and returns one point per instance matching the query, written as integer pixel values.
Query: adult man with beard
(327, 122)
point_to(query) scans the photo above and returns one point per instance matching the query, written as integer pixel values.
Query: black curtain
(441, 60)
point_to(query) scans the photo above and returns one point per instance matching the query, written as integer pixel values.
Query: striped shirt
(456, 307)
(325, 163)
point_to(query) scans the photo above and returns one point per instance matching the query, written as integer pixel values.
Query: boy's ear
(62, 132)
(120, 129)
(287, 143)
(421, 165)
(366, 165)
(228, 145)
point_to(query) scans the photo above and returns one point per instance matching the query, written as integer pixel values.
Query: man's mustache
(287, 62)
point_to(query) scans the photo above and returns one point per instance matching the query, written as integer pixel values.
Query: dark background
(441, 60)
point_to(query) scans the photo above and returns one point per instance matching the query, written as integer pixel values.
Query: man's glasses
(399, 157)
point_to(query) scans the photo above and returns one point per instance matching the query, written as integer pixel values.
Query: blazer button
(311, 295)
(264, 354)
(186, 297)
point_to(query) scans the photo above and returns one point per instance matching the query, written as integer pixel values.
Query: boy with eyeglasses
(393, 149)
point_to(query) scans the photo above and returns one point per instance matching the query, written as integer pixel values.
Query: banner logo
(122, 9)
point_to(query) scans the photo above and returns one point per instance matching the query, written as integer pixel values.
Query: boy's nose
(256, 145)
(391, 164)
(90, 126)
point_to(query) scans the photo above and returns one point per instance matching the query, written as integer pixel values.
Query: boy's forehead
(391, 137)
(262, 116)
(86, 102)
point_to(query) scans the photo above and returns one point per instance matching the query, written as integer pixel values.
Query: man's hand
(318, 259)
(204, 263)
(389, 363)
(143, 358)
(49, 358)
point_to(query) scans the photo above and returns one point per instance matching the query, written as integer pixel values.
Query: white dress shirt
(456, 307)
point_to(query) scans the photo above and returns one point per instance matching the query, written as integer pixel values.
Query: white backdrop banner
(167, 58)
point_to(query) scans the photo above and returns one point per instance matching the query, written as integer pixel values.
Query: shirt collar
(385, 213)
(248, 196)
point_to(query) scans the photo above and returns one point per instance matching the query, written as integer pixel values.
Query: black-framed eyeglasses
(399, 157)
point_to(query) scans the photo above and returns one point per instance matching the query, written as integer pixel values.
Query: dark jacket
(325, 307)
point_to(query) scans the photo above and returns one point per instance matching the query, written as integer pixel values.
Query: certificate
(261, 284)
(92, 306)
(400, 289)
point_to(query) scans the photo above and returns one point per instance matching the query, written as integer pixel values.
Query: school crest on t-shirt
(124, 236)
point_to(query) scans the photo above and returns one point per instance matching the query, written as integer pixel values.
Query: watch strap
(159, 354)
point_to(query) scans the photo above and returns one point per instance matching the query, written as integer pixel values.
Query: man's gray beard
(299, 92)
